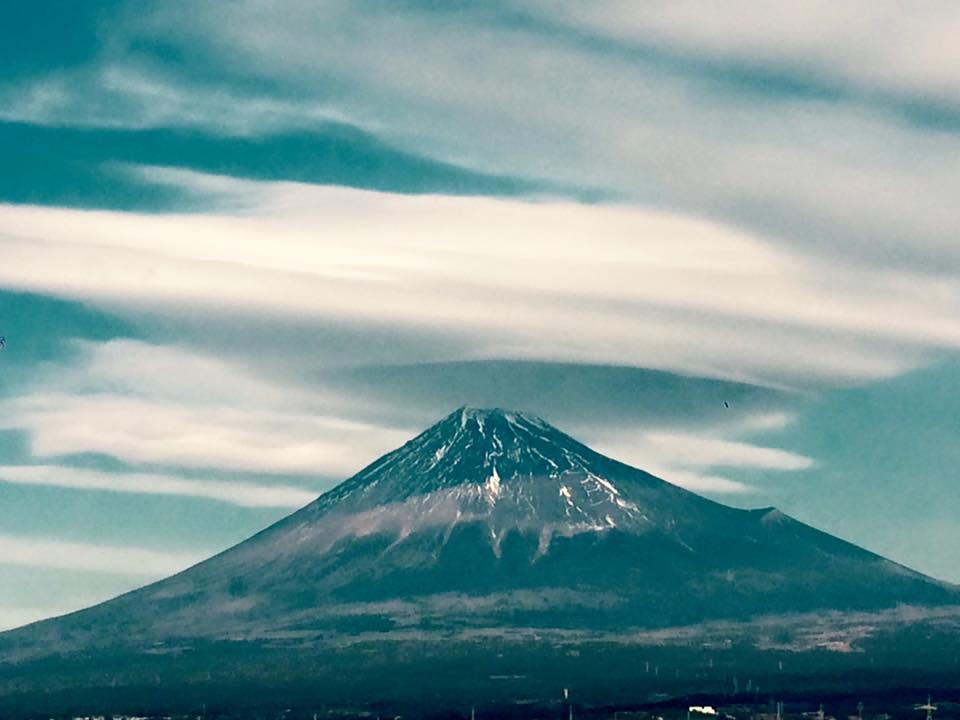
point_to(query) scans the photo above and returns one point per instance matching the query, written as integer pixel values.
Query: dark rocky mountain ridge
(488, 525)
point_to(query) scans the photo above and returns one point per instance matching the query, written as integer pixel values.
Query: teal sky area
(244, 252)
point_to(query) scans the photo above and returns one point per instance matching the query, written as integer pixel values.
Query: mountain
(488, 527)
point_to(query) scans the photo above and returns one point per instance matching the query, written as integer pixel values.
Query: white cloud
(699, 482)
(236, 493)
(690, 459)
(150, 404)
(550, 280)
(125, 97)
(685, 450)
(151, 430)
(762, 422)
(145, 403)
(827, 175)
(114, 560)
(869, 45)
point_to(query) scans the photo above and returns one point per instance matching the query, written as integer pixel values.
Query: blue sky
(243, 252)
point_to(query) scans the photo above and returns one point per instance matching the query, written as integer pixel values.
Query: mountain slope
(491, 520)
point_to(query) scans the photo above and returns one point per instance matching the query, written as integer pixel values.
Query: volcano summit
(488, 525)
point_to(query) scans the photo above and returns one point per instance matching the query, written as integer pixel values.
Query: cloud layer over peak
(545, 280)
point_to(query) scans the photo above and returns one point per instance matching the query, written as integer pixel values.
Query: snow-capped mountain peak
(485, 452)
(505, 470)
(500, 510)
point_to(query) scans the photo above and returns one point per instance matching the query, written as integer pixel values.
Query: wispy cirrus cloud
(45, 552)
(241, 493)
(687, 450)
(150, 430)
(703, 460)
(135, 98)
(756, 118)
(701, 481)
(865, 46)
(145, 404)
(163, 405)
